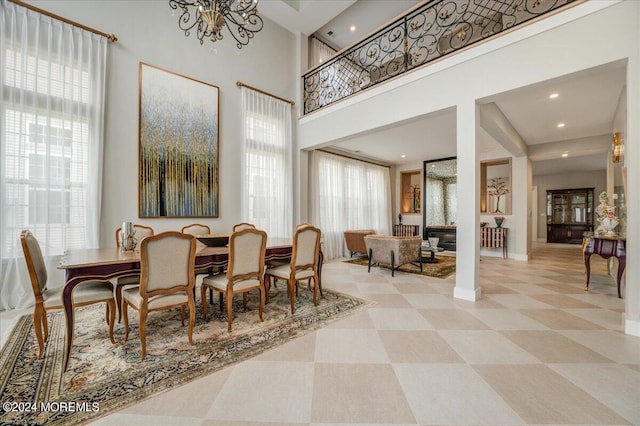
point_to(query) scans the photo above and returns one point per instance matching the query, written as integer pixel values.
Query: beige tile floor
(536, 349)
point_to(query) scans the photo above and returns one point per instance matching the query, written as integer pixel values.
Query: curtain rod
(352, 158)
(241, 84)
(110, 37)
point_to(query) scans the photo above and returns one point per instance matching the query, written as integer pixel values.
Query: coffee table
(432, 256)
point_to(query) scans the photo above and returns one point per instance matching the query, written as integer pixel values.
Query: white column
(468, 198)
(632, 161)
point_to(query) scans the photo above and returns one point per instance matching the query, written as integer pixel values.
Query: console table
(606, 247)
(494, 238)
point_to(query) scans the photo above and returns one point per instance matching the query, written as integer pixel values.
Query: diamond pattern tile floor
(536, 349)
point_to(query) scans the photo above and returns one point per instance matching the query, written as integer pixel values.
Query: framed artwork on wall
(178, 145)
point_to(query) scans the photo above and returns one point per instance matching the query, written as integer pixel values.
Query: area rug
(103, 378)
(446, 266)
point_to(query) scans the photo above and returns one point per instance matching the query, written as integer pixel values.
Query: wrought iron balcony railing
(429, 32)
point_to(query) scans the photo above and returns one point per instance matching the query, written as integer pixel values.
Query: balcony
(430, 32)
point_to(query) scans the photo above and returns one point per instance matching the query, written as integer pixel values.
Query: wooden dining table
(109, 263)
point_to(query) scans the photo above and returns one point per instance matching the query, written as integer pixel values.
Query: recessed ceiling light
(403, 156)
(560, 125)
(553, 96)
(352, 28)
(565, 154)
(433, 165)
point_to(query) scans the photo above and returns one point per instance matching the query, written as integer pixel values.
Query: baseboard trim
(631, 327)
(467, 294)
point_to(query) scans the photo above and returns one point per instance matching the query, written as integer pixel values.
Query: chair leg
(143, 333)
(119, 301)
(261, 289)
(267, 288)
(111, 310)
(393, 267)
(38, 313)
(220, 300)
(182, 315)
(125, 317)
(292, 294)
(244, 299)
(229, 310)
(203, 297)
(315, 290)
(45, 324)
(370, 253)
(192, 317)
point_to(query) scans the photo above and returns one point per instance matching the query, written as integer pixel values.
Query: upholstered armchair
(355, 240)
(393, 251)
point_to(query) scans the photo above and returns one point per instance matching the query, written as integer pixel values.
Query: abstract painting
(178, 153)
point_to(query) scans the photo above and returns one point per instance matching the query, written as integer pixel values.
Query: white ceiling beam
(498, 126)
(573, 148)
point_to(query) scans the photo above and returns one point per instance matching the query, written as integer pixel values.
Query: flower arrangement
(499, 220)
(606, 215)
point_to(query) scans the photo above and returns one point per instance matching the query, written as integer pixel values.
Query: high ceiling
(586, 103)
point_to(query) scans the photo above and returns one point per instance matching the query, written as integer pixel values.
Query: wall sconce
(617, 147)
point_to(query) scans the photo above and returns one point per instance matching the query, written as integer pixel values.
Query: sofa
(446, 234)
(393, 251)
(355, 240)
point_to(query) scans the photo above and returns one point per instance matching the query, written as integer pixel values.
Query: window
(348, 194)
(266, 186)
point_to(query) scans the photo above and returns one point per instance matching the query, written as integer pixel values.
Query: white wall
(595, 179)
(147, 32)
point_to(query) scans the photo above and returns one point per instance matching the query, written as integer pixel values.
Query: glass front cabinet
(569, 214)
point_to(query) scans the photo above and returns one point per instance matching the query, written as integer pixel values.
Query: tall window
(267, 190)
(52, 82)
(348, 194)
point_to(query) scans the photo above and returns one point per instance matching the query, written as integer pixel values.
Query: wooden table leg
(587, 264)
(622, 261)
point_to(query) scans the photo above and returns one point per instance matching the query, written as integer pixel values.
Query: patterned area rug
(103, 378)
(446, 266)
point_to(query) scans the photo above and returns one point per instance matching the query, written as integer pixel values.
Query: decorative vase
(433, 242)
(498, 222)
(128, 241)
(609, 224)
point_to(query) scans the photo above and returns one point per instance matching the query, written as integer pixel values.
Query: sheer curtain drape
(266, 183)
(319, 52)
(53, 83)
(348, 194)
(436, 205)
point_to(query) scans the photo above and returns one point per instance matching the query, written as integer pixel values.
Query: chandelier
(209, 17)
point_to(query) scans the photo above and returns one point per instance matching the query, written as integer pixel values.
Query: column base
(632, 328)
(467, 294)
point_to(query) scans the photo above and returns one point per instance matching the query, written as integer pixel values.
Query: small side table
(606, 247)
(495, 238)
(432, 257)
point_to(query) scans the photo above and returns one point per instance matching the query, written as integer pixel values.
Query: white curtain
(348, 194)
(436, 204)
(319, 52)
(452, 203)
(266, 183)
(53, 84)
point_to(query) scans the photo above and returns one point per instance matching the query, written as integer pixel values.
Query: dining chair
(243, 225)
(245, 271)
(166, 281)
(303, 265)
(196, 229)
(87, 293)
(141, 232)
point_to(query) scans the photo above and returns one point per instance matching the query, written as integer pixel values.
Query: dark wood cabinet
(569, 214)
